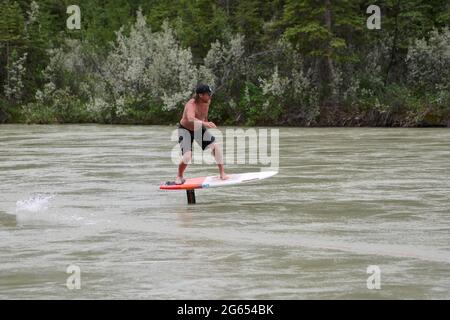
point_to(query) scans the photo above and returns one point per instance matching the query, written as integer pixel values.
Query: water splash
(37, 203)
(41, 209)
(37, 208)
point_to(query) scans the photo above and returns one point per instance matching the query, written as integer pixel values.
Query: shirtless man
(195, 117)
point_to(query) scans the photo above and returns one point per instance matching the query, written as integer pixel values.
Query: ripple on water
(344, 199)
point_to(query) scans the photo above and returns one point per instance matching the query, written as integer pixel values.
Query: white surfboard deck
(215, 181)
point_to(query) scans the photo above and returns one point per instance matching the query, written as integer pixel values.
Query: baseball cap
(203, 88)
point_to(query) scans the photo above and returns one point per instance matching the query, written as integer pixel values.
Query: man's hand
(209, 125)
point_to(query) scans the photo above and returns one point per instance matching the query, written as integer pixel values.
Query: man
(195, 118)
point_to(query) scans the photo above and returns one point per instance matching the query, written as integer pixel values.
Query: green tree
(403, 22)
(201, 23)
(102, 19)
(11, 35)
(249, 21)
(322, 30)
(197, 23)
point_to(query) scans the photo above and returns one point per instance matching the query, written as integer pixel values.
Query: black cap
(203, 88)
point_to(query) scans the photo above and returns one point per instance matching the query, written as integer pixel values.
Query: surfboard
(215, 181)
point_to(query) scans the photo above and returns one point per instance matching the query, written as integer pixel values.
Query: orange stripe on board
(195, 183)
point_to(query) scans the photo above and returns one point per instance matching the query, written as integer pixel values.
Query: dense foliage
(282, 62)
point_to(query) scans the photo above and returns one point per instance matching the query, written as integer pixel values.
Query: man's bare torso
(198, 108)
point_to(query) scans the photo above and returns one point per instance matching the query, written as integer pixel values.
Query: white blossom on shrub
(13, 88)
(225, 60)
(150, 64)
(98, 106)
(39, 96)
(429, 61)
(291, 88)
(33, 13)
(303, 87)
(206, 75)
(121, 107)
(275, 86)
(64, 59)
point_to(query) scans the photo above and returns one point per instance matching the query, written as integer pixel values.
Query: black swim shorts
(186, 138)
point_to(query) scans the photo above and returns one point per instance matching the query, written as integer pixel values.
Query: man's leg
(208, 142)
(185, 139)
(187, 156)
(217, 153)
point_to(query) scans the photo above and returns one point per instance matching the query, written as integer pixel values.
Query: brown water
(344, 199)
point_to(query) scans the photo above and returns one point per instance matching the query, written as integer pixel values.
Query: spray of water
(37, 203)
(42, 209)
(37, 208)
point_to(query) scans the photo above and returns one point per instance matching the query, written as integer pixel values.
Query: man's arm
(210, 124)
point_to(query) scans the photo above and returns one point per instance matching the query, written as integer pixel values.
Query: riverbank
(326, 117)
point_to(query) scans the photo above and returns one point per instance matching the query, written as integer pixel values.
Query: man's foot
(179, 180)
(223, 176)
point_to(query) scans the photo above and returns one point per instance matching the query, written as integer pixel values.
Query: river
(344, 200)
